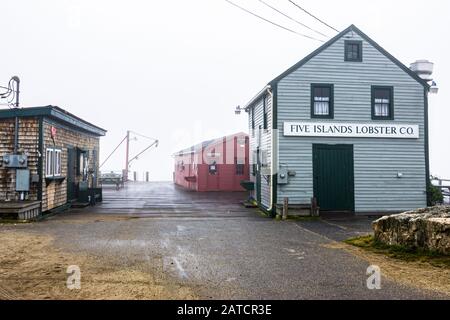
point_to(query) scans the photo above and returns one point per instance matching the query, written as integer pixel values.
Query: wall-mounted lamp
(434, 88)
(399, 175)
(238, 110)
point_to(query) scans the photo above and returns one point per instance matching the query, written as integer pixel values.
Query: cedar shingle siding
(29, 142)
(54, 193)
(71, 132)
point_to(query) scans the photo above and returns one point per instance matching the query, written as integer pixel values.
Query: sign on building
(351, 130)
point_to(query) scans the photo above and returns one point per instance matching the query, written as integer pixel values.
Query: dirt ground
(31, 267)
(415, 274)
(156, 241)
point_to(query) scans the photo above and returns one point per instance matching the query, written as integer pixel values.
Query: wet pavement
(210, 242)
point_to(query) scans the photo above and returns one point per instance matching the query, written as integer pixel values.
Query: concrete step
(78, 205)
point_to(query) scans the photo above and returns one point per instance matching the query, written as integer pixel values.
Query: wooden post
(314, 208)
(285, 208)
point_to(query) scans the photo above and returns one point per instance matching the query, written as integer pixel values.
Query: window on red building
(213, 168)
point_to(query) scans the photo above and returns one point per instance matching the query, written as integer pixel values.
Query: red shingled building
(214, 165)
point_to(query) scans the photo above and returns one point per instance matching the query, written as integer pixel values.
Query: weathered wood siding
(376, 161)
(28, 144)
(54, 193)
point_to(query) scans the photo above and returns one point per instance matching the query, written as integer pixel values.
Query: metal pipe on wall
(16, 119)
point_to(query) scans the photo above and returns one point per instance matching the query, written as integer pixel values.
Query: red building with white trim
(214, 165)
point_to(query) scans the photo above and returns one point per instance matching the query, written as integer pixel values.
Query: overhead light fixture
(238, 110)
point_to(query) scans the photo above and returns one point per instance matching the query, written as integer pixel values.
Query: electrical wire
(295, 20)
(8, 92)
(310, 14)
(271, 22)
(13, 91)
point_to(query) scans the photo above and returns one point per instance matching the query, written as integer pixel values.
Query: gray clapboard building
(347, 126)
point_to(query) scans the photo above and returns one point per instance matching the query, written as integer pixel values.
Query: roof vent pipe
(424, 69)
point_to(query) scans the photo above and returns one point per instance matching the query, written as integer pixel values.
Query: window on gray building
(322, 101)
(382, 103)
(252, 110)
(353, 51)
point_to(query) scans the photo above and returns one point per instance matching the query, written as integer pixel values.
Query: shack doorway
(71, 174)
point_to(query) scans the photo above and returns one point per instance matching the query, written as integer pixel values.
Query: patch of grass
(297, 218)
(12, 221)
(263, 214)
(303, 218)
(400, 252)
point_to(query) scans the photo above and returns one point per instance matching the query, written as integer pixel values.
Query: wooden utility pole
(127, 156)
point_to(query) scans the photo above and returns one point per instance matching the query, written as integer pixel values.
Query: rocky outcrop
(427, 229)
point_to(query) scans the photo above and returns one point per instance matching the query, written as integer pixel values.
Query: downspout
(40, 172)
(427, 147)
(272, 157)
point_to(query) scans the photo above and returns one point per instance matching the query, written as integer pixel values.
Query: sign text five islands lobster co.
(351, 130)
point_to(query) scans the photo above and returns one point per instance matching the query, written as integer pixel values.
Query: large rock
(427, 229)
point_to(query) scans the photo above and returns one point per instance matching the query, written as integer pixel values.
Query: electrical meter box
(22, 180)
(283, 176)
(14, 161)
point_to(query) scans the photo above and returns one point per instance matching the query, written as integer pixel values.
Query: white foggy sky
(176, 69)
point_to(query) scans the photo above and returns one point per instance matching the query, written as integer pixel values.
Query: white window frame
(57, 170)
(53, 166)
(49, 162)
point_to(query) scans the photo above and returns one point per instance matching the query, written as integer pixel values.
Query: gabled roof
(55, 113)
(331, 42)
(336, 38)
(201, 145)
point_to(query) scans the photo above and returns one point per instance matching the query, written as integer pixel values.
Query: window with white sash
(322, 101)
(53, 162)
(382, 103)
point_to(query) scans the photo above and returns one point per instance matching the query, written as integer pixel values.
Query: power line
(273, 23)
(307, 12)
(8, 90)
(302, 24)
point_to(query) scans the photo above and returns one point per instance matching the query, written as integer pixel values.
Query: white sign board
(351, 130)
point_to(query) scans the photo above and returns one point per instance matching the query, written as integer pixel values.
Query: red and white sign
(53, 132)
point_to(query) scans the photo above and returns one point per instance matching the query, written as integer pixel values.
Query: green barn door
(334, 177)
